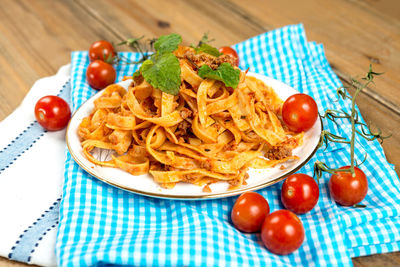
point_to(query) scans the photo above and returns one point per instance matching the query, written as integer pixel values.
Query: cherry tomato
(102, 50)
(346, 189)
(299, 193)
(100, 74)
(249, 212)
(227, 50)
(282, 232)
(299, 112)
(52, 112)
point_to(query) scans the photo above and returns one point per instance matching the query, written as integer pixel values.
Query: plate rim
(187, 197)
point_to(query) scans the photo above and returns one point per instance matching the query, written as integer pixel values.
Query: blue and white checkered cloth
(100, 224)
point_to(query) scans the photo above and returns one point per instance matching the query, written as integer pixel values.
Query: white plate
(145, 184)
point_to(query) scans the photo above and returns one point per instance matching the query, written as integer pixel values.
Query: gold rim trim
(186, 197)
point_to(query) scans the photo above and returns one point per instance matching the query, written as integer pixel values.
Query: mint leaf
(163, 71)
(206, 48)
(167, 43)
(224, 73)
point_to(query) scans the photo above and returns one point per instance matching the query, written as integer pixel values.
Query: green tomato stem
(353, 125)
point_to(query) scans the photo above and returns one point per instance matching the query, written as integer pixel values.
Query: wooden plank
(7, 263)
(388, 9)
(353, 37)
(189, 18)
(36, 39)
(382, 117)
(387, 260)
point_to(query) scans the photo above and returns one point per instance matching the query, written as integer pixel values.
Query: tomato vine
(363, 130)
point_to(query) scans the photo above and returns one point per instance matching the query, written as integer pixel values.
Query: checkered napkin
(100, 224)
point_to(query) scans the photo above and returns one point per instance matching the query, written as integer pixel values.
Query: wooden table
(36, 38)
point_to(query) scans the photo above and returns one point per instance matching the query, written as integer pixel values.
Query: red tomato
(52, 112)
(299, 193)
(102, 50)
(226, 50)
(282, 232)
(249, 212)
(299, 112)
(346, 189)
(100, 74)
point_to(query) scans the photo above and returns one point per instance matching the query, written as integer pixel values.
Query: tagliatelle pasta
(205, 134)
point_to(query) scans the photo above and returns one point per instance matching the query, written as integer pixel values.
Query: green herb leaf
(136, 74)
(167, 43)
(224, 73)
(162, 71)
(206, 48)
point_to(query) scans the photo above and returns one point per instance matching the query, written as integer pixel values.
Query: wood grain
(388, 9)
(381, 117)
(36, 38)
(7, 263)
(387, 260)
(353, 33)
(191, 19)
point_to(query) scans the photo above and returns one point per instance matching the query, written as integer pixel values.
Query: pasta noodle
(205, 134)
